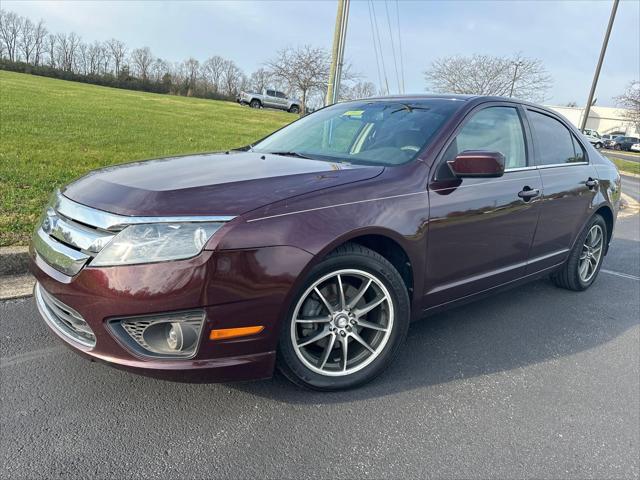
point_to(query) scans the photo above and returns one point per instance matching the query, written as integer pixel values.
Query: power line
(400, 44)
(393, 48)
(384, 68)
(375, 46)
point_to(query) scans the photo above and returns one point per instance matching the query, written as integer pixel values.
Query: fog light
(181, 336)
(173, 335)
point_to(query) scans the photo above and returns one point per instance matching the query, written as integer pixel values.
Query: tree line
(30, 47)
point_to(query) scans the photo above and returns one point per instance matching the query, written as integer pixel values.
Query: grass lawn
(52, 131)
(628, 166)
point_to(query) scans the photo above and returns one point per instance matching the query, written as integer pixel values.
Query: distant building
(605, 120)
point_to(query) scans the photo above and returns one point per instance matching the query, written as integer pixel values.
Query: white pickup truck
(270, 99)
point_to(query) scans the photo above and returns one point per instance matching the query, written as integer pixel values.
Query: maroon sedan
(314, 249)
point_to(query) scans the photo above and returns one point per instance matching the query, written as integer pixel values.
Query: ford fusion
(313, 249)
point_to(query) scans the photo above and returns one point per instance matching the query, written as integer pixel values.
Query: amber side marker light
(234, 332)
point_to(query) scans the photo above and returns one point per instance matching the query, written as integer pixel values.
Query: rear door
(569, 186)
(281, 98)
(270, 99)
(481, 229)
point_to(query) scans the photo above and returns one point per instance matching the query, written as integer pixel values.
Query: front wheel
(585, 259)
(598, 145)
(255, 103)
(346, 323)
(294, 109)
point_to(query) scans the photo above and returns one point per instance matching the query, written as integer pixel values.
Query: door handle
(527, 193)
(591, 183)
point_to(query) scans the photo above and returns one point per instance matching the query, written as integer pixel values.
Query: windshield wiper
(405, 107)
(290, 154)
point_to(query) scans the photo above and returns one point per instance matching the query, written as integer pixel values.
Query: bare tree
(303, 69)
(213, 71)
(27, 40)
(95, 56)
(630, 100)
(117, 51)
(231, 78)
(52, 48)
(40, 34)
(515, 76)
(358, 90)
(67, 49)
(141, 58)
(83, 58)
(191, 70)
(260, 80)
(159, 69)
(10, 27)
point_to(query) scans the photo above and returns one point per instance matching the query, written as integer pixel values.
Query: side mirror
(477, 163)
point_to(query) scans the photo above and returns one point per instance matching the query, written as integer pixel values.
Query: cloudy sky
(565, 35)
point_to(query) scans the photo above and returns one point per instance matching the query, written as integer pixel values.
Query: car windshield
(388, 132)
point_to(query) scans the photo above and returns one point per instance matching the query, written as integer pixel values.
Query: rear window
(555, 144)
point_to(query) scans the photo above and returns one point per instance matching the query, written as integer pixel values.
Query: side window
(271, 93)
(496, 129)
(579, 156)
(554, 142)
(280, 95)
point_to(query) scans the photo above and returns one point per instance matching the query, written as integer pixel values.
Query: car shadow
(529, 325)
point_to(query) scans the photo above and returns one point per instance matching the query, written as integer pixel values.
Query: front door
(481, 229)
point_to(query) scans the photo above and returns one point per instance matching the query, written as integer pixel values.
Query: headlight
(151, 243)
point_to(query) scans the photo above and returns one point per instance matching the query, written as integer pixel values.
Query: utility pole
(515, 74)
(337, 52)
(605, 42)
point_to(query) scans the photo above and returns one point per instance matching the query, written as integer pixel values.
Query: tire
(365, 277)
(255, 103)
(598, 145)
(294, 109)
(570, 276)
(617, 147)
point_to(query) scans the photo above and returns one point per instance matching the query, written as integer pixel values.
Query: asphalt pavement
(537, 382)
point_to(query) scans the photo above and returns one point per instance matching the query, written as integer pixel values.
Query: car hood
(209, 184)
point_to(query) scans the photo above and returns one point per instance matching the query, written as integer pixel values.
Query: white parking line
(620, 274)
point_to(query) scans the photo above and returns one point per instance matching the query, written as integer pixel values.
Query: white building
(605, 120)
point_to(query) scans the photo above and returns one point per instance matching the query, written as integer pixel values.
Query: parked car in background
(609, 136)
(635, 147)
(593, 137)
(621, 143)
(314, 249)
(269, 98)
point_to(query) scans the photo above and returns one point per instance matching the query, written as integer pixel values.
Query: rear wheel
(598, 145)
(255, 103)
(346, 323)
(585, 259)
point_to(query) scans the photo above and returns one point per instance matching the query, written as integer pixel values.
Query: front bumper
(234, 289)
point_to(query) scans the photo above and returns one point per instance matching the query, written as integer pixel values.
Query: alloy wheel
(591, 253)
(342, 322)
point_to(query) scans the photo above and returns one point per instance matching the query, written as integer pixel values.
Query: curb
(14, 260)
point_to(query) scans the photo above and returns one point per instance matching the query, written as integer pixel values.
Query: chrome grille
(64, 319)
(70, 234)
(67, 243)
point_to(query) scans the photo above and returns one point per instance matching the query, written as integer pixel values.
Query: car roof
(451, 96)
